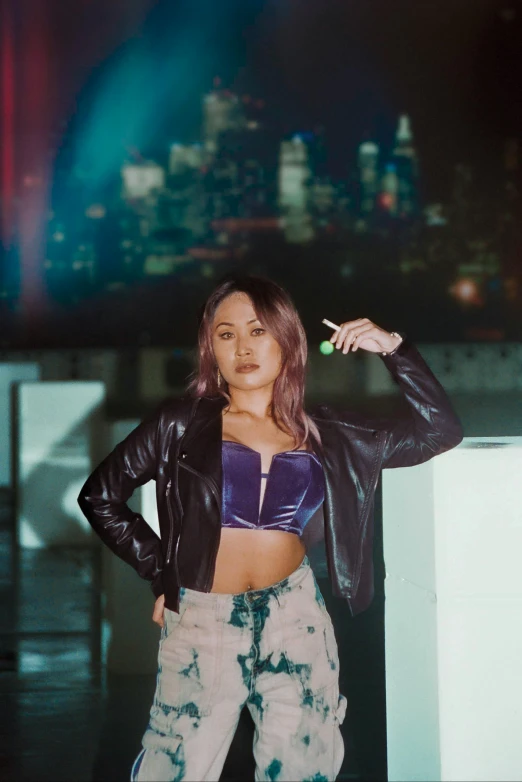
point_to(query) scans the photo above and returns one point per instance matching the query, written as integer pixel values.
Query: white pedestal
(453, 548)
(9, 375)
(59, 437)
(130, 637)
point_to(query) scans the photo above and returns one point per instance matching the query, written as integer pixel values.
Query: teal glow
(326, 348)
(149, 83)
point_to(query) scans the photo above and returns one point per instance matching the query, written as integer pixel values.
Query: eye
(258, 331)
(226, 335)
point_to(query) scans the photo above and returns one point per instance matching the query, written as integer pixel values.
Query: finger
(340, 336)
(350, 340)
(158, 613)
(344, 327)
(347, 329)
(368, 331)
(351, 336)
(336, 334)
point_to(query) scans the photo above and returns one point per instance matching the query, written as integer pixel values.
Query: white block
(452, 544)
(480, 688)
(59, 440)
(411, 683)
(10, 373)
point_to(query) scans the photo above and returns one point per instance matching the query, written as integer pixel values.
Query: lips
(244, 368)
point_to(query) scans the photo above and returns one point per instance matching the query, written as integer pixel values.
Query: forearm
(103, 500)
(123, 531)
(435, 427)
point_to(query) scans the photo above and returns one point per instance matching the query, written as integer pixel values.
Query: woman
(244, 477)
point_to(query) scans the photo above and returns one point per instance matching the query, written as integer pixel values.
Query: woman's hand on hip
(362, 333)
(157, 614)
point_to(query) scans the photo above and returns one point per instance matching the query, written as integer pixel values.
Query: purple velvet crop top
(294, 489)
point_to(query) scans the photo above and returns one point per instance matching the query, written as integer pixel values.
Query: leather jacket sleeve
(432, 427)
(104, 496)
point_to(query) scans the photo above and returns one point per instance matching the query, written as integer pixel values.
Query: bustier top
(294, 489)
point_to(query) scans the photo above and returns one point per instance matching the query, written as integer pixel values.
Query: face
(246, 353)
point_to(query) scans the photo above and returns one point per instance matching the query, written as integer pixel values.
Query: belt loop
(219, 606)
(280, 597)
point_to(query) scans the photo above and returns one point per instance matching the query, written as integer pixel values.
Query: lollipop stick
(330, 324)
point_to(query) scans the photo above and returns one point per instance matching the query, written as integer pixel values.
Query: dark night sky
(350, 65)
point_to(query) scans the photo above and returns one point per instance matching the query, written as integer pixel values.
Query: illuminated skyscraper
(294, 173)
(368, 163)
(140, 179)
(222, 111)
(184, 158)
(185, 200)
(404, 158)
(389, 197)
(293, 180)
(251, 155)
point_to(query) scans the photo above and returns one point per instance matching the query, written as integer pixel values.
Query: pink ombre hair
(277, 313)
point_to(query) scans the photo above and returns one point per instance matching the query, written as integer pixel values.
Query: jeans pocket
(310, 650)
(171, 619)
(161, 758)
(189, 664)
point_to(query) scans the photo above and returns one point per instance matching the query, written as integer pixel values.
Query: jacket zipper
(180, 509)
(171, 520)
(209, 481)
(215, 493)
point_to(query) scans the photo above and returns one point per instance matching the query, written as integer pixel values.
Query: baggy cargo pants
(273, 650)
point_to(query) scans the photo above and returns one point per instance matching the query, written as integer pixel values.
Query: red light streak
(238, 224)
(7, 120)
(35, 111)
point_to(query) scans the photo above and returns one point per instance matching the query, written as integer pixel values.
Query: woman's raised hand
(157, 614)
(362, 333)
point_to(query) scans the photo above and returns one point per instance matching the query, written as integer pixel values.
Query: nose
(243, 347)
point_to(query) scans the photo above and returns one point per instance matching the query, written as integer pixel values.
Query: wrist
(397, 341)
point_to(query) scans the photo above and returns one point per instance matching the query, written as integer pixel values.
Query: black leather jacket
(180, 447)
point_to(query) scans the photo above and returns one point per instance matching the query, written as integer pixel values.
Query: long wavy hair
(277, 313)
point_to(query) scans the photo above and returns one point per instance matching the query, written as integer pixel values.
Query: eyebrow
(225, 323)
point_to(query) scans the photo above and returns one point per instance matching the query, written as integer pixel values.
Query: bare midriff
(254, 559)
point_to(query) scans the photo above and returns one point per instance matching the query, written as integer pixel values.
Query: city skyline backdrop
(336, 79)
(347, 66)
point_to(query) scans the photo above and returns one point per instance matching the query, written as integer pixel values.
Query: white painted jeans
(273, 650)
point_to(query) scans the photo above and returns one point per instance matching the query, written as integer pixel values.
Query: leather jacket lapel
(202, 444)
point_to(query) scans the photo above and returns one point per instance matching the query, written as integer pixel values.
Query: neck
(256, 404)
